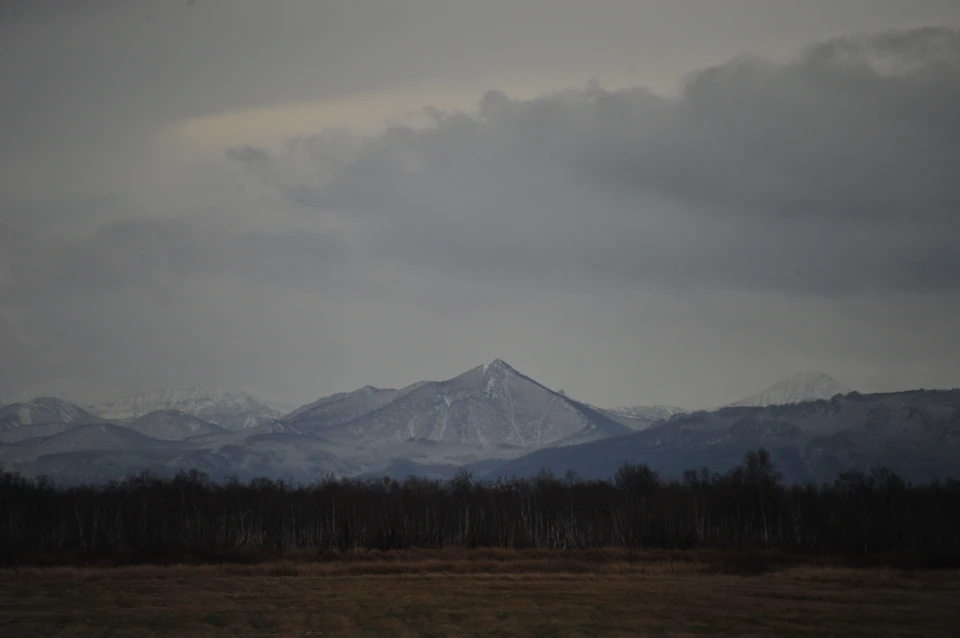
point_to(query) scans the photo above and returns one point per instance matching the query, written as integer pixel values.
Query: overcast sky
(633, 201)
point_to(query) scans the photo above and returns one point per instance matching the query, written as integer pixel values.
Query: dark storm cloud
(834, 135)
(831, 174)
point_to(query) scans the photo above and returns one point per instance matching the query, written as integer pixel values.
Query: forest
(190, 518)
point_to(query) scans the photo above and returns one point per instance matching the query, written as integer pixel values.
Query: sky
(632, 201)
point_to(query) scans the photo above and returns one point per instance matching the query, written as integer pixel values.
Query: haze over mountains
(639, 417)
(804, 386)
(230, 410)
(491, 420)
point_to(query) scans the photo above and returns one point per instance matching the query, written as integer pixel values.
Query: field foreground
(478, 594)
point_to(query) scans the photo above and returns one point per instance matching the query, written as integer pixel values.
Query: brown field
(482, 593)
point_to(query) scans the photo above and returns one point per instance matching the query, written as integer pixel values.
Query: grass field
(481, 593)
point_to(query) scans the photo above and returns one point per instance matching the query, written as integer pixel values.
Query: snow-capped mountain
(496, 422)
(640, 417)
(805, 386)
(44, 411)
(490, 405)
(173, 425)
(230, 410)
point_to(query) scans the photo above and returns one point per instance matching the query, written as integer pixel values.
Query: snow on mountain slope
(173, 425)
(345, 406)
(490, 405)
(805, 386)
(45, 410)
(640, 417)
(230, 410)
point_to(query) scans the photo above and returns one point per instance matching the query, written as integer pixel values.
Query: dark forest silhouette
(146, 518)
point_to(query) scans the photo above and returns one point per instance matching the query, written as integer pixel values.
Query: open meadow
(482, 593)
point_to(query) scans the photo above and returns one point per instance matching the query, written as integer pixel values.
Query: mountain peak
(488, 406)
(497, 366)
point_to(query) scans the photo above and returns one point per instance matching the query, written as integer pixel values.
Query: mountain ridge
(797, 388)
(173, 425)
(914, 432)
(45, 411)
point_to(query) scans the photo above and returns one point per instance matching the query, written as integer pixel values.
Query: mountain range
(229, 410)
(491, 420)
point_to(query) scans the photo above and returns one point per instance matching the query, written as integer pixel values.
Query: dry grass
(480, 593)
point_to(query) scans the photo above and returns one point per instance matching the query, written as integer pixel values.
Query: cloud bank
(773, 214)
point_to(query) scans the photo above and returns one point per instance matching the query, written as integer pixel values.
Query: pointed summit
(488, 406)
(497, 367)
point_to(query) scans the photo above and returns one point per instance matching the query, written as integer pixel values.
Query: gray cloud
(249, 155)
(624, 245)
(121, 69)
(827, 175)
(158, 255)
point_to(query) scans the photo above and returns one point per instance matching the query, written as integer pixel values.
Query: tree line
(748, 507)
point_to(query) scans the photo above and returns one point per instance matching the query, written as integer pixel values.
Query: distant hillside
(173, 425)
(44, 411)
(640, 417)
(916, 433)
(804, 386)
(99, 436)
(230, 410)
